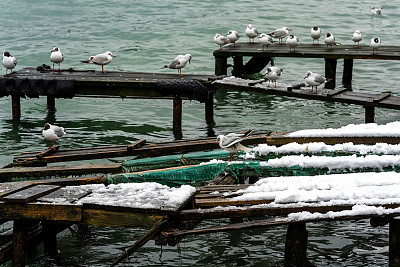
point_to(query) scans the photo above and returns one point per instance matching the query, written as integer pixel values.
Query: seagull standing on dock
(179, 62)
(52, 133)
(280, 33)
(265, 40)
(56, 57)
(356, 38)
(251, 32)
(329, 39)
(375, 44)
(314, 79)
(9, 62)
(273, 73)
(376, 10)
(292, 41)
(221, 40)
(101, 59)
(233, 36)
(231, 143)
(315, 34)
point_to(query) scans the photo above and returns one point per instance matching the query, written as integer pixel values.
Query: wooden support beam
(394, 242)
(16, 108)
(221, 66)
(347, 71)
(177, 117)
(369, 114)
(51, 104)
(296, 245)
(330, 73)
(237, 68)
(20, 236)
(209, 108)
(50, 238)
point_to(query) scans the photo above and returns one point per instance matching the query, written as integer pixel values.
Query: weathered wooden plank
(30, 193)
(63, 195)
(137, 144)
(214, 202)
(381, 97)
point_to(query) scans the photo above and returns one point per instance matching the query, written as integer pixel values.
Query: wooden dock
(260, 58)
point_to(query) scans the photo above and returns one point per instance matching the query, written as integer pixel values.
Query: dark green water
(145, 35)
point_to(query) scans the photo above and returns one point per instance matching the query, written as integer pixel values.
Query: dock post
(296, 245)
(221, 66)
(330, 72)
(209, 108)
(49, 238)
(177, 117)
(394, 242)
(369, 114)
(347, 71)
(20, 235)
(237, 69)
(51, 103)
(16, 107)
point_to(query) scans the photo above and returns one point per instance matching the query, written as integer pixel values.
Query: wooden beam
(20, 235)
(30, 193)
(209, 108)
(330, 73)
(137, 144)
(221, 66)
(347, 71)
(369, 114)
(296, 245)
(16, 107)
(177, 117)
(51, 104)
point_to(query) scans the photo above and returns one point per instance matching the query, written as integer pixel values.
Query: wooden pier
(260, 58)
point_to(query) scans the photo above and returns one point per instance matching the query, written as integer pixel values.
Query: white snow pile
(261, 83)
(326, 190)
(391, 129)
(335, 163)
(137, 195)
(318, 147)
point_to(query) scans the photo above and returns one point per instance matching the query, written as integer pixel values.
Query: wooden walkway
(330, 55)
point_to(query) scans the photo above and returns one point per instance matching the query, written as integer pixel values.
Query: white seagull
(251, 32)
(52, 133)
(231, 143)
(9, 62)
(265, 40)
(56, 57)
(233, 36)
(280, 33)
(292, 41)
(356, 38)
(329, 39)
(273, 73)
(221, 40)
(375, 44)
(376, 11)
(101, 59)
(314, 79)
(315, 34)
(179, 62)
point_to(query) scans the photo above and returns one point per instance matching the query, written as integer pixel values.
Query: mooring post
(330, 72)
(221, 66)
(296, 245)
(237, 68)
(51, 103)
(394, 242)
(177, 117)
(369, 114)
(20, 235)
(347, 71)
(209, 108)
(16, 107)
(49, 238)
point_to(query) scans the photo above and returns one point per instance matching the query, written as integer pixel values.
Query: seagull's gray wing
(100, 59)
(319, 78)
(59, 131)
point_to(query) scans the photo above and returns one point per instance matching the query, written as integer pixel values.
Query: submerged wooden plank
(30, 193)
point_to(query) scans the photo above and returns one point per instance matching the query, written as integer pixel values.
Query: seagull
(292, 41)
(265, 40)
(356, 38)
(315, 34)
(375, 44)
(233, 36)
(52, 133)
(9, 62)
(273, 73)
(56, 57)
(221, 40)
(251, 32)
(329, 39)
(314, 79)
(179, 62)
(101, 59)
(280, 33)
(376, 11)
(231, 143)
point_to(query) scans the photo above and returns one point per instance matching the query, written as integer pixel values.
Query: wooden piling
(209, 108)
(369, 114)
(347, 71)
(20, 235)
(394, 242)
(221, 66)
(330, 72)
(16, 108)
(50, 238)
(237, 69)
(51, 104)
(296, 245)
(177, 117)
